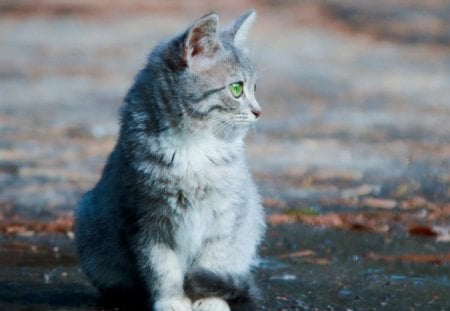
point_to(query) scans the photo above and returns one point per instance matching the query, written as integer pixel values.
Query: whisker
(223, 128)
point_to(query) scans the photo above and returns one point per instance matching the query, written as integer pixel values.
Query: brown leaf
(414, 258)
(360, 221)
(325, 220)
(269, 202)
(358, 191)
(379, 203)
(330, 174)
(302, 253)
(370, 227)
(62, 224)
(278, 219)
(317, 261)
(441, 233)
(422, 230)
(414, 203)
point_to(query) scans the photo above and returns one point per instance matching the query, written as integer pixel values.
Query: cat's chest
(207, 203)
(207, 180)
(199, 187)
(202, 168)
(210, 219)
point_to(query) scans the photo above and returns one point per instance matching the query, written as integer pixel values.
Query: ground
(351, 155)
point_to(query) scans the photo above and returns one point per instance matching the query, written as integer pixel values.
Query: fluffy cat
(176, 219)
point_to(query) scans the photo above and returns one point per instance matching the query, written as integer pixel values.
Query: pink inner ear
(194, 42)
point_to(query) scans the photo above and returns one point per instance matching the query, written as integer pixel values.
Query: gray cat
(175, 219)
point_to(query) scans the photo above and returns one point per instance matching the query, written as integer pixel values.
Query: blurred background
(351, 155)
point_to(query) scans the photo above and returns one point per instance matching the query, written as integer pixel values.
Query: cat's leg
(223, 274)
(163, 272)
(223, 268)
(238, 291)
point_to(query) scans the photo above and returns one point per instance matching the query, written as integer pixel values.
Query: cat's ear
(240, 27)
(202, 41)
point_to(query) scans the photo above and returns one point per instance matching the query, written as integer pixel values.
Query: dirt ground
(351, 155)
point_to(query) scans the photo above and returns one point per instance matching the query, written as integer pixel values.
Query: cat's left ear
(202, 42)
(240, 27)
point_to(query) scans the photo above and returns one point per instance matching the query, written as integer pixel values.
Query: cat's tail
(239, 292)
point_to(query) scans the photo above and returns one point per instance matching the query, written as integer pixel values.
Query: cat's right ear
(202, 42)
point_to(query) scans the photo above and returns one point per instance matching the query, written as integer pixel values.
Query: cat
(175, 220)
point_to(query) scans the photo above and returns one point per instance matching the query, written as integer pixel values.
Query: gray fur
(176, 195)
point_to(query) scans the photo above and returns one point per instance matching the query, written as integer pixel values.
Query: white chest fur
(205, 162)
(210, 175)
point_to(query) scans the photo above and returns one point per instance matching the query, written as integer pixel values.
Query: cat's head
(221, 75)
(210, 77)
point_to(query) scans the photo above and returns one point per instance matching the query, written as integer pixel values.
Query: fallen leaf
(325, 220)
(317, 261)
(438, 211)
(441, 233)
(370, 227)
(379, 203)
(359, 191)
(414, 258)
(17, 246)
(414, 203)
(422, 230)
(330, 174)
(303, 253)
(62, 224)
(269, 202)
(278, 219)
(360, 221)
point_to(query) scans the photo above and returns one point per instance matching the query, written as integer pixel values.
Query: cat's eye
(237, 89)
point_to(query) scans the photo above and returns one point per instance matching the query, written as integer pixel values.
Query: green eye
(237, 89)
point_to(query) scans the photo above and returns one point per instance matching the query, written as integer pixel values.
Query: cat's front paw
(210, 304)
(173, 304)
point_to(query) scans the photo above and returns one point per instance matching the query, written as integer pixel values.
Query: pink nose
(256, 113)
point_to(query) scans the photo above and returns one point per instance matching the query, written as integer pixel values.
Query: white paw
(173, 304)
(210, 304)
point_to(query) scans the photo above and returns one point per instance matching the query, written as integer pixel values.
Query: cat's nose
(256, 113)
(255, 108)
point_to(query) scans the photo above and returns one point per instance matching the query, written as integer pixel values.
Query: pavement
(351, 155)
